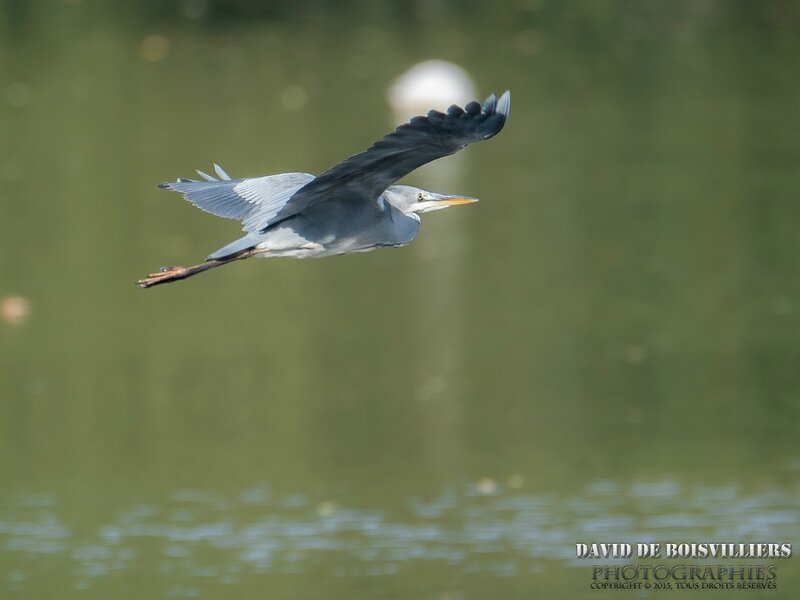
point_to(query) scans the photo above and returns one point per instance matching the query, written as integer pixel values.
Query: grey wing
(253, 201)
(410, 146)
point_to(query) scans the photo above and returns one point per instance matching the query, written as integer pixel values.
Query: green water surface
(605, 348)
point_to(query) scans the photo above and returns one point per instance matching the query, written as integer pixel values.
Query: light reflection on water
(200, 534)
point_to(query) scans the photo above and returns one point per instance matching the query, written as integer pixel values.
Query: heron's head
(414, 200)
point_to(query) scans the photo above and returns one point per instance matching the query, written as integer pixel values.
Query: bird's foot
(163, 275)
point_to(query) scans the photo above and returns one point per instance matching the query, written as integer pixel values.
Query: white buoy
(429, 84)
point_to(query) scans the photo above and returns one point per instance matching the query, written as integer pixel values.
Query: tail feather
(221, 172)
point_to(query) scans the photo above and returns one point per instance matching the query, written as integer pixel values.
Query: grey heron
(352, 207)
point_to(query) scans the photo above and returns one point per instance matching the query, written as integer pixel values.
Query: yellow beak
(457, 201)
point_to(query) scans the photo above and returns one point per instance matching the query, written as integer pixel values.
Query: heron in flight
(351, 207)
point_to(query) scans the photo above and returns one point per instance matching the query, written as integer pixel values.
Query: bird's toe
(163, 274)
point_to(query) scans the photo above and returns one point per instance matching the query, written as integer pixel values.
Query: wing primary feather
(206, 176)
(473, 108)
(504, 104)
(221, 172)
(489, 104)
(455, 111)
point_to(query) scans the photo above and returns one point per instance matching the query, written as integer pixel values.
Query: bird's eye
(420, 197)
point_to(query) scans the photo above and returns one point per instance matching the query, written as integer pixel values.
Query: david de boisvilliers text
(685, 550)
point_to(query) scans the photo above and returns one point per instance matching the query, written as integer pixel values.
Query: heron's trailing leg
(168, 274)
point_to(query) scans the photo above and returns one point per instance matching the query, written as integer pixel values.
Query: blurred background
(604, 349)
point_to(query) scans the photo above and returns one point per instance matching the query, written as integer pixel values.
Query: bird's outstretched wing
(254, 201)
(421, 140)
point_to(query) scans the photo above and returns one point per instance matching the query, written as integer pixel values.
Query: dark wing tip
(504, 104)
(164, 186)
(455, 111)
(496, 112)
(473, 108)
(489, 104)
(470, 124)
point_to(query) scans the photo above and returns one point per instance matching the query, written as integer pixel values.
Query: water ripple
(499, 532)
